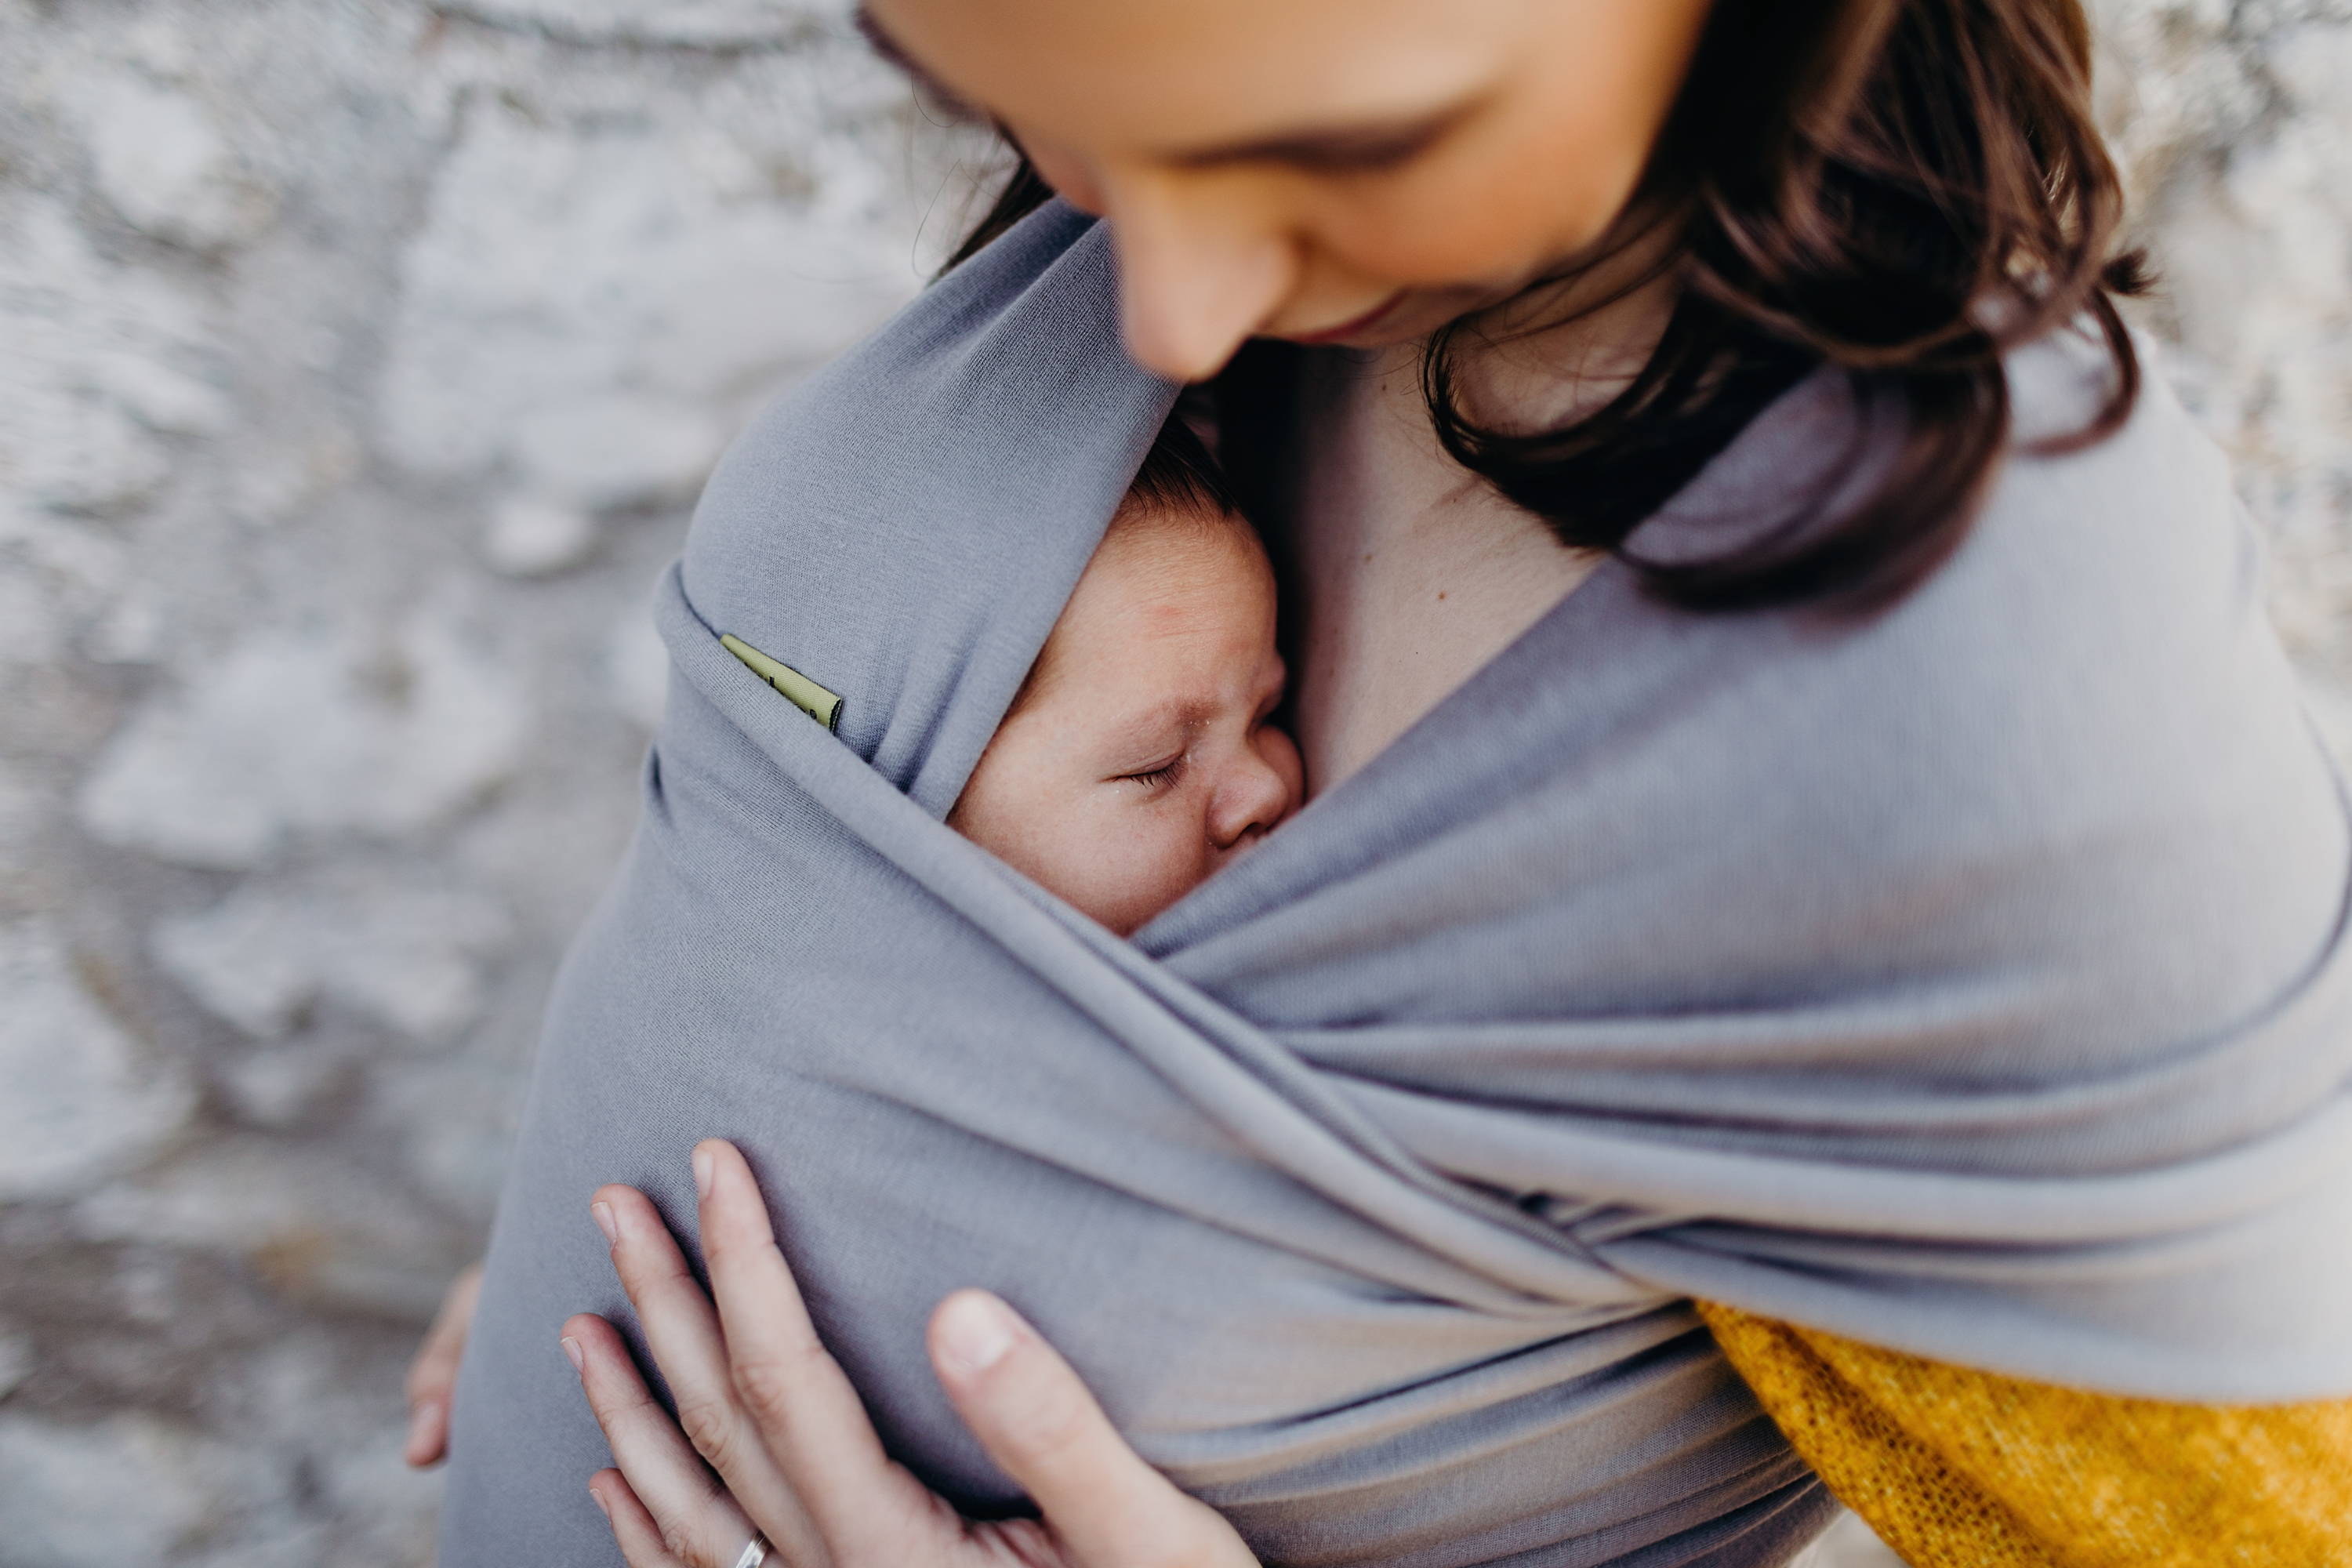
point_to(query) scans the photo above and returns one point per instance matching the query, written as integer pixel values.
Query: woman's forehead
(1177, 77)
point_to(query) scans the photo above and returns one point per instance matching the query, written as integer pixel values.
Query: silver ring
(755, 1552)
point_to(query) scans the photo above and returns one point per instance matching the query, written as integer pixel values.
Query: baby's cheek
(1163, 858)
(1191, 863)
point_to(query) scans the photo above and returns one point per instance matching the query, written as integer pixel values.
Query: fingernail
(601, 1506)
(702, 1169)
(572, 1351)
(976, 1332)
(607, 1222)
(420, 1424)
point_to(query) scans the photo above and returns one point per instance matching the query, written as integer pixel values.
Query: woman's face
(1350, 171)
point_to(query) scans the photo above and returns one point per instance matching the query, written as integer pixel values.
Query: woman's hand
(433, 1376)
(794, 1454)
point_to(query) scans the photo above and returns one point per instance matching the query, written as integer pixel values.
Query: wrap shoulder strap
(1959, 1469)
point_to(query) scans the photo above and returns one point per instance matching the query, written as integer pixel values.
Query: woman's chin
(1407, 316)
(1361, 330)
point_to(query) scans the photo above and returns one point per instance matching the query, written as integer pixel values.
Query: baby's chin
(1127, 917)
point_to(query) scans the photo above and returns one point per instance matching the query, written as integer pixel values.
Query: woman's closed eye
(1339, 152)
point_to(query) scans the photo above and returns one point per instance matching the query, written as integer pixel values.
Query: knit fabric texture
(1971, 980)
(1959, 1469)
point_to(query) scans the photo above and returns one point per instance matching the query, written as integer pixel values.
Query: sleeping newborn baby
(1139, 756)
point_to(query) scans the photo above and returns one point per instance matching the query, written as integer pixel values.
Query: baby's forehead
(1180, 553)
(1161, 567)
(1147, 527)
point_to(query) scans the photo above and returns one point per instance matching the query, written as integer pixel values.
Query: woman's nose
(1196, 276)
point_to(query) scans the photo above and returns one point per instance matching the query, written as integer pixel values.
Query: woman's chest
(1407, 573)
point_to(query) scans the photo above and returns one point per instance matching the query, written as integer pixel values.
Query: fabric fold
(1970, 981)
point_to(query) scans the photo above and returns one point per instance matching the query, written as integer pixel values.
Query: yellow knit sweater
(1957, 1469)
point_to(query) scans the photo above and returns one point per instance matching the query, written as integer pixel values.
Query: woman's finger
(1038, 1422)
(433, 1374)
(699, 1522)
(804, 1403)
(640, 1537)
(682, 1330)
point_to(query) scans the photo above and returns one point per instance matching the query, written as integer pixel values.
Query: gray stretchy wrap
(1969, 979)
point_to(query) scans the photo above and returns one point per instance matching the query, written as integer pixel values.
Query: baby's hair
(1179, 486)
(1180, 475)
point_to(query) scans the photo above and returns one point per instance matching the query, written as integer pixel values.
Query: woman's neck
(1411, 573)
(1558, 351)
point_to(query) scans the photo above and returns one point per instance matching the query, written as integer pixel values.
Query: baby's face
(1140, 759)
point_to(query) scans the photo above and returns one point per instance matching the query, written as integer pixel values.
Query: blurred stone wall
(358, 362)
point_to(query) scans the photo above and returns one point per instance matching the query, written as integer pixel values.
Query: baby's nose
(1252, 800)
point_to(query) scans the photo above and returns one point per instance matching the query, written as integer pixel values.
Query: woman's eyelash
(1340, 152)
(1370, 156)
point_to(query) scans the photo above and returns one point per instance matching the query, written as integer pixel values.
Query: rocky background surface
(358, 362)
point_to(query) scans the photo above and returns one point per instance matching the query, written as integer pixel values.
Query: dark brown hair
(1178, 474)
(1901, 189)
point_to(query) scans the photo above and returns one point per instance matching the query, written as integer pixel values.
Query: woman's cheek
(1497, 212)
(1443, 239)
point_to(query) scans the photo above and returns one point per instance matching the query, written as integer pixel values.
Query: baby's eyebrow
(1176, 716)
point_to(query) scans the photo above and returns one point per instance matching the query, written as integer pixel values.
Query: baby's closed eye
(1157, 775)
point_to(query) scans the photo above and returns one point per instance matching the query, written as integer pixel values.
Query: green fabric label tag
(803, 693)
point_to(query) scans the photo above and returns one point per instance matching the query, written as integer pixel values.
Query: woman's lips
(1348, 329)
